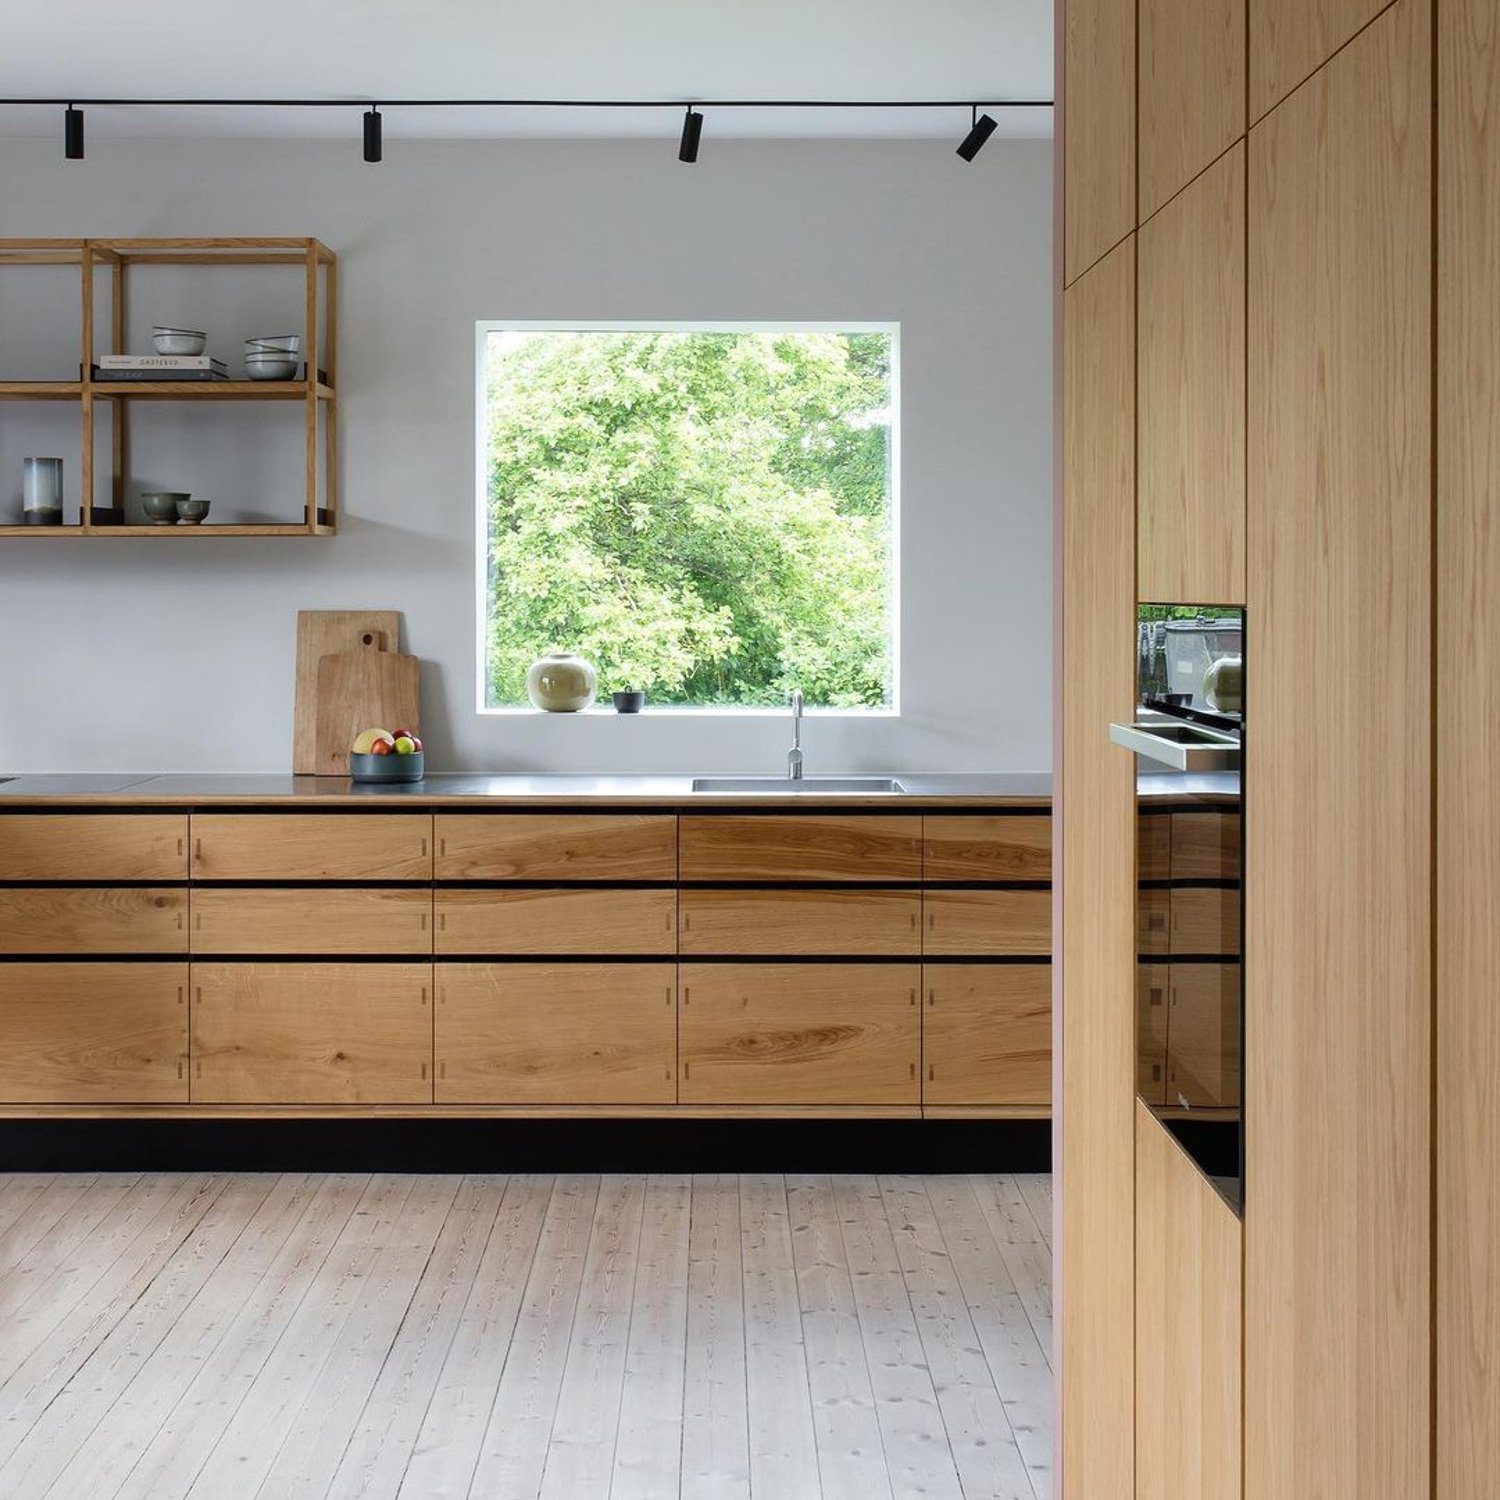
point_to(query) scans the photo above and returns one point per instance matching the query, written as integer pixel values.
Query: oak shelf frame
(317, 395)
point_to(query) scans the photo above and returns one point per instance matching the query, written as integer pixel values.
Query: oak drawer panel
(1206, 845)
(987, 1034)
(312, 846)
(987, 848)
(336, 920)
(1152, 982)
(96, 846)
(93, 1033)
(556, 1033)
(799, 1033)
(543, 846)
(1203, 1035)
(556, 921)
(311, 1033)
(1205, 919)
(987, 924)
(94, 919)
(737, 849)
(807, 923)
(1153, 846)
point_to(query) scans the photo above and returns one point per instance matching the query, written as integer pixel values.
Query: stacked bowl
(273, 357)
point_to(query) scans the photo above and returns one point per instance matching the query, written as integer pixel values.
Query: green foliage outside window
(704, 515)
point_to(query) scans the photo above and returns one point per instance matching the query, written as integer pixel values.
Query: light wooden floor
(238, 1336)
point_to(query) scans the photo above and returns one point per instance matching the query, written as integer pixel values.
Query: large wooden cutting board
(363, 689)
(320, 633)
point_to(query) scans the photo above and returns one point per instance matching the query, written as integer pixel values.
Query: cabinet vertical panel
(93, 1033)
(1097, 129)
(1096, 943)
(1468, 730)
(1291, 39)
(94, 846)
(1339, 778)
(987, 1034)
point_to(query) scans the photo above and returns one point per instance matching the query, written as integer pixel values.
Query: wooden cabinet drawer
(1153, 922)
(312, 846)
(788, 847)
(336, 920)
(96, 846)
(811, 923)
(799, 1033)
(1203, 1035)
(1153, 846)
(1151, 1011)
(1015, 847)
(985, 924)
(556, 921)
(1205, 919)
(549, 846)
(94, 919)
(1206, 846)
(93, 1033)
(310, 1033)
(556, 1033)
(987, 1034)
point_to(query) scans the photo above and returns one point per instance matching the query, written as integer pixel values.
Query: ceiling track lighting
(374, 148)
(692, 132)
(73, 133)
(981, 128)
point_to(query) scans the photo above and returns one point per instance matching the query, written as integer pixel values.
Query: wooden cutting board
(320, 633)
(363, 689)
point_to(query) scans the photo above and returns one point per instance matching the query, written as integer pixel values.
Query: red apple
(382, 747)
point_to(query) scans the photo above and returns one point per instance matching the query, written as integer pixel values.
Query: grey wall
(141, 655)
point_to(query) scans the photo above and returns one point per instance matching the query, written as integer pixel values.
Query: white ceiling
(604, 49)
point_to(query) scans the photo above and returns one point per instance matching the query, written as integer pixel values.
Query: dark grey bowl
(386, 767)
(628, 703)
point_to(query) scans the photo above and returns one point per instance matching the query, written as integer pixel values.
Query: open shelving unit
(114, 258)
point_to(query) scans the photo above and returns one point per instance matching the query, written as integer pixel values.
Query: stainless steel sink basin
(808, 786)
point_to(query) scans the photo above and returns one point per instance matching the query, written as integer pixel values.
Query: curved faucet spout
(794, 755)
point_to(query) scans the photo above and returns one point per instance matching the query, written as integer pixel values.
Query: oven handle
(1202, 749)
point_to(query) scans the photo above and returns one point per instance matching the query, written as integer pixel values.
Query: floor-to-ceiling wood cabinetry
(1291, 39)
(1098, 141)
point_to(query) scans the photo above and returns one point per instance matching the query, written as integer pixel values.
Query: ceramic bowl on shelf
(191, 512)
(385, 767)
(161, 506)
(277, 343)
(178, 340)
(271, 366)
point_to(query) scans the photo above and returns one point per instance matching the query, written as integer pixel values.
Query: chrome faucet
(794, 755)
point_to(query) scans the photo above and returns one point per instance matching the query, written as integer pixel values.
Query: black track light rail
(75, 101)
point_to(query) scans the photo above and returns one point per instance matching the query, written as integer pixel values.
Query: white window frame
(486, 326)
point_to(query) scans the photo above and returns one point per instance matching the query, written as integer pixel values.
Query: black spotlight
(692, 129)
(979, 132)
(73, 134)
(373, 149)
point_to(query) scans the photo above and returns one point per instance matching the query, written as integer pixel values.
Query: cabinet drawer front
(94, 919)
(337, 920)
(987, 1034)
(1152, 983)
(541, 846)
(1205, 920)
(799, 1033)
(556, 921)
(811, 923)
(736, 849)
(987, 848)
(272, 1033)
(93, 1033)
(312, 846)
(1153, 846)
(1203, 1035)
(1206, 845)
(102, 846)
(556, 1033)
(986, 924)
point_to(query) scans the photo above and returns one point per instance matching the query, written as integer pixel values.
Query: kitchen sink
(808, 786)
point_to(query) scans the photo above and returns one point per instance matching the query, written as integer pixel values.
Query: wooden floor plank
(1026, 1254)
(42, 1221)
(1036, 1189)
(19, 1193)
(56, 1256)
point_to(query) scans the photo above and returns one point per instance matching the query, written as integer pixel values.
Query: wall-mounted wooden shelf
(320, 342)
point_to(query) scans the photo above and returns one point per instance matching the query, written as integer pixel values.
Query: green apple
(405, 745)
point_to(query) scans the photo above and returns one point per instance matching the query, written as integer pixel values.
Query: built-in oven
(1188, 737)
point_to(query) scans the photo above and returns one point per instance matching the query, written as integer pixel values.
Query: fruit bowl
(385, 767)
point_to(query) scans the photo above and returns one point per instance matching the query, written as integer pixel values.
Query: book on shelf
(168, 364)
(103, 375)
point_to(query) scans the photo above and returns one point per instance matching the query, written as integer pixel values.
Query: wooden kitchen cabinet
(1206, 845)
(555, 920)
(571, 1033)
(1203, 1035)
(312, 846)
(1153, 982)
(93, 1033)
(799, 1034)
(94, 846)
(987, 1034)
(622, 847)
(811, 923)
(1099, 144)
(987, 924)
(1289, 40)
(94, 919)
(333, 920)
(788, 847)
(311, 1033)
(980, 847)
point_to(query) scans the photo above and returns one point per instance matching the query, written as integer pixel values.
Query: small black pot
(628, 703)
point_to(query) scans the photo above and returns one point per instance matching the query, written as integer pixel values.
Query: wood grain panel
(1192, 96)
(1291, 39)
(312, 846)
(1152, 993)
(986, 924)
(1097, 129)
(311, 1033)
(1096, 805)
(1153, 846)
(1468, 729)
(556, 921)
(1206, 845)
(1203, 1035)
(987, 1034)
(94, 846)
(340, 920)
(542, 846)
(82, 1033)
(1338, 843)
(94, 919)
(1191, 372)
(556, 1033)
(1188, 1350)
(790, 847)
(979, 848)
(809, 923)
(1205, 919)
(799, 1033)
